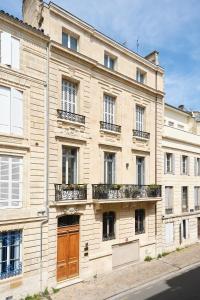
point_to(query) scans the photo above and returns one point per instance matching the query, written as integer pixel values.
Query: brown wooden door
(198, 227)
(68, 252)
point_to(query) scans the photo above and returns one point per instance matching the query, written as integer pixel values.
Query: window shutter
(16, 169)
(187, 228)
(6, 48)
(15, 53)
(169, 233)
(4, 109)
(16, 112)
(188, 165)
(173, 163)
(195, 166)
(4, 181)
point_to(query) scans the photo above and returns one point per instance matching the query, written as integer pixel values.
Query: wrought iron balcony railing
(125, 191)
(65, 192)
(109, 126)
(62, 114)
(141, 134)
(168, 211)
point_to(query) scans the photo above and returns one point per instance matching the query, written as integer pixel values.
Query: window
(184, 193)
(69, 166)
(140, 170)
(69, 96)
(11, 111)
(109, 61)
(171, 124)
(197, 197)
(169, 233)
(185, 229)
(197, 166)
(181, 127)
(140, 118)
(10, 254)
(108, 226)
(109, 168)
(9, 50)
(169, 163)
(69, 41)
(139, 221)
(109, 109)
(184, 165)
(140, 76)
(168, 199)
(10, 181)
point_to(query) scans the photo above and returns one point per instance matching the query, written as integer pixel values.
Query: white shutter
(16, 180)
(195, 166)
(173, 163)
(188, 165)
(6, 48)
(4, 181)
(15, 53)
(16, 112)
(169, 233)
(5, 109)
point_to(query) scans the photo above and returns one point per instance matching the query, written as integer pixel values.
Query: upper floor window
(10, 181)
(197, 166)
(184, 196)
(11, 111)
(9, 50)
(10, 253)
(169, 163)
(140, 118)
(184, 165)
(140, 76)
(109, 61)
(109, 109)
(168, 199)
(109, 168)
(139, 221)
(69, 41)
(69, 165)
(197, 197)
(69, 96)
(108, 226)
(171, 124)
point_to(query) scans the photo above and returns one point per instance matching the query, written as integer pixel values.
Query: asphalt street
(185, 286)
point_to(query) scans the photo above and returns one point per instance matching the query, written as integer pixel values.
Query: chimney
(153, 57)
(181, 107)
(32, 12)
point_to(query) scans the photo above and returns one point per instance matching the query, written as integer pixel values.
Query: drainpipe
(156, 140)
(46, 158)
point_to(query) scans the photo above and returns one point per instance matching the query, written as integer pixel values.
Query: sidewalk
(130, 276)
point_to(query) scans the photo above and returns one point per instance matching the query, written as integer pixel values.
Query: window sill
(110, 132)
(140, 138)
(17, 277)
(61, 121)
(11, 135)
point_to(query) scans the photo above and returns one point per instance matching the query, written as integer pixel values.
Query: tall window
(197, 197)
(69, 166)
(184, 193)
(109, 61)
(169, 233)
(139, 118)
(109, 109)
(169, 163)
(168, 199)
(108, 226)
(69, 96)
(139, 221)
(140, 76)
(10, 181)
(140, 170)
(69, 41)
(109, 168)
(9, 50)
(197, 166)
(10, 254)
(185, 229)
(11, 111)
(184, 165)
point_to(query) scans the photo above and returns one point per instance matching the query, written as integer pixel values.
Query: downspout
(46, 158)
(156, 140)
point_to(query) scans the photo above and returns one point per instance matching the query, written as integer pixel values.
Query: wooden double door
(67, 252)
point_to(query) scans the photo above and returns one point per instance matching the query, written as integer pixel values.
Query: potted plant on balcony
(153, 190)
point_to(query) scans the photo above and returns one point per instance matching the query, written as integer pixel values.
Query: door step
(68, 282)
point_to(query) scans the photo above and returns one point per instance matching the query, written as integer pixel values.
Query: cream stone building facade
(181, 180)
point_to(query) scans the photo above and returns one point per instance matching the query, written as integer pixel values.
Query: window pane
(73, 43)
(65, 39)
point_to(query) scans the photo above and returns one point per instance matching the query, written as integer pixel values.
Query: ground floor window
(139, 221)
(10, 254)
(108, 226)
(185, 229)
(169, 233)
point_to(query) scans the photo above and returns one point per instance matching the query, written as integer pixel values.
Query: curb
(153, 281)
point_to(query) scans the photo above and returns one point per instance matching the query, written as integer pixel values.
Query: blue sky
(170, 26)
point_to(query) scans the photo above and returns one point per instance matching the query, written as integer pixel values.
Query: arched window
(108, 225)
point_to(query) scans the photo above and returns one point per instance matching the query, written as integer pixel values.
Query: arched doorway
(67, 247)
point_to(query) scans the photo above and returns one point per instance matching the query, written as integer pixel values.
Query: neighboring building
(104, 145)
(23, 67)
(181, 180)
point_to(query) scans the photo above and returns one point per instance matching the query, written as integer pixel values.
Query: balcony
(197, 207)
(141, 134)
(124, 192)
(110, 127)
(66, 115)
(168, 211)
(70, 192)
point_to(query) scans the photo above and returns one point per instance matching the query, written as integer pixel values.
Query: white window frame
(141, 76)
(169, 163)
(186, 221)
(69, 40)
(184, 165)
(169, 239)
(169, 194)
(69, 96)
(197, 196)
(106, 161)
(183, 199)
(109, 109)
(111, 61)
(197, 166)
(140, 117)
(9, 50)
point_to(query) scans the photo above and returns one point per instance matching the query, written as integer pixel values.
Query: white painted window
(140, 118)
(109, 109)
(109, 61)
(184, 196)
(10, 181)
(69, 41)
(69, 96)
(140, 76)
(168, 199)
(11, 111)
(196, 166)
(109, 168)
(169, 233)
(169, 163)
(9, 50)
(171, 124)
(197, 197)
